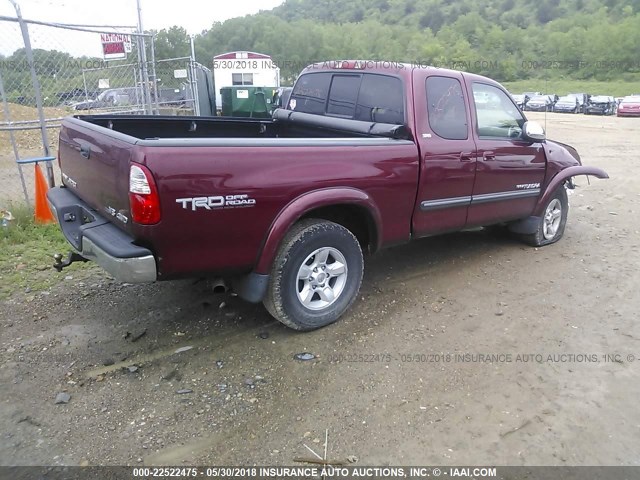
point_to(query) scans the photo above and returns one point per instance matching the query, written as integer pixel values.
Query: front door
(510, 170)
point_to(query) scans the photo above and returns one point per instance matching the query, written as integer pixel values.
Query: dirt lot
(390, 382)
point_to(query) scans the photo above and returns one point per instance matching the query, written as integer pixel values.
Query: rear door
(95, 166)
(448, 152)
(510, 169)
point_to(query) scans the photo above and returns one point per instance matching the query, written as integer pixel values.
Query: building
(244, 68)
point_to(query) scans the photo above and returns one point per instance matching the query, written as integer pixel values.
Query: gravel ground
(172, 374)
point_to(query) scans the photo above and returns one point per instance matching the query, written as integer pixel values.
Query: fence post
(194, 80)
(155, 77)
(143, 58)
(16, 154)
(36, 89)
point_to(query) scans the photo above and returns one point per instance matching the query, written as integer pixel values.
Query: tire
(317, 299)
(552, 222)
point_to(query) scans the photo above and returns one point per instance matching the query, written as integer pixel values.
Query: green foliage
(172, 43)
(519, 39)
(28, 250)
(562, 86)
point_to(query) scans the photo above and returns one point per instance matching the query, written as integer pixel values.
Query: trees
(558, 37)
(172, 43)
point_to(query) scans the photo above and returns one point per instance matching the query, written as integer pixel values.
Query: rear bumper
(93, 237)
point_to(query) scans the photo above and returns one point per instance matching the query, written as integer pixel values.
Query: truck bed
(285, 124)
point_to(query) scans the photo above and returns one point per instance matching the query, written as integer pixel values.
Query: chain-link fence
(49, 71)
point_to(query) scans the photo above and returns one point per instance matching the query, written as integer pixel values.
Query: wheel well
(354, 218)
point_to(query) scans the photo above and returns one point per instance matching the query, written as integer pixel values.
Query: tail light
(143, 196)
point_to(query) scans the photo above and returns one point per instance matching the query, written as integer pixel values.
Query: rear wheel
(316, 275)
(552, 223)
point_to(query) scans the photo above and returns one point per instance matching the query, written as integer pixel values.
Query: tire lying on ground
(316, 275)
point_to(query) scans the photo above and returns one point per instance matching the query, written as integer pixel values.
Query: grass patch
(563, 86)
(27, 254)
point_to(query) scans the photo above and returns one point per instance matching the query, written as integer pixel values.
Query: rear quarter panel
(229, 240)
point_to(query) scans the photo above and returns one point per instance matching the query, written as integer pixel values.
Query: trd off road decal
(216, 201)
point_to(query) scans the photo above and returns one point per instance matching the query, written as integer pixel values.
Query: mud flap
(526, 226)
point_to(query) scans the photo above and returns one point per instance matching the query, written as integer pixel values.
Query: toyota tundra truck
(364, 156)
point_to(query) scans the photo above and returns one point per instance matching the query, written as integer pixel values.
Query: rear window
(310, 93)
(366, 97)
(343, 95)
(381, 100)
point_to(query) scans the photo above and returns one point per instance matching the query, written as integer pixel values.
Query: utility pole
(142, 52)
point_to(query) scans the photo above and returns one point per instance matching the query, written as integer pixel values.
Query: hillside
(506, 39)
(435, 14)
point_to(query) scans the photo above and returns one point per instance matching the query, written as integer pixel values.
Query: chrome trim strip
(499, 196)
(429, 205)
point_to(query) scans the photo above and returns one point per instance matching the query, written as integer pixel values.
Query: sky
(193, 15)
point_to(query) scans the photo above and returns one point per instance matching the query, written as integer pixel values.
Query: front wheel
(316, 275)
(552, 223)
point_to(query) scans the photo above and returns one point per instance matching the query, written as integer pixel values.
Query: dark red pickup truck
(365, 156)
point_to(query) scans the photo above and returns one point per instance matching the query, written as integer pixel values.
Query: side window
(310, 93)
(446, 108)
(498, 116)
(343, 95)
(381, 100)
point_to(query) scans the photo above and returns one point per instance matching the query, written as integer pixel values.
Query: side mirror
(533, 132)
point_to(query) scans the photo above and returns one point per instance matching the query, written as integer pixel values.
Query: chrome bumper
(100, 241)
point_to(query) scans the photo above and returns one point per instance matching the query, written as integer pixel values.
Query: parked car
(281, 97)
(283, 208)
(75, 95)
(583, 100)
(601, 105)
(629, 107)
(113, 97)
(520, 100)
(174, 97)
(541, 103)
(567, 104)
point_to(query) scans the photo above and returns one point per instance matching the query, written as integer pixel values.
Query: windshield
(631, 100)
(540, 98)
(567, 100)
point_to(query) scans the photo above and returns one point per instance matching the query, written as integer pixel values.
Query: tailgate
(95, 165)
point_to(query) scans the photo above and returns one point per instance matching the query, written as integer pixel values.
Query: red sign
(115, 46)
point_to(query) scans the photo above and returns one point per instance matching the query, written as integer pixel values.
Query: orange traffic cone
(42, 212)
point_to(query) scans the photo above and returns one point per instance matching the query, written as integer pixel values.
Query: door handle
(466, 156)
(85, 151)
(488, 156)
